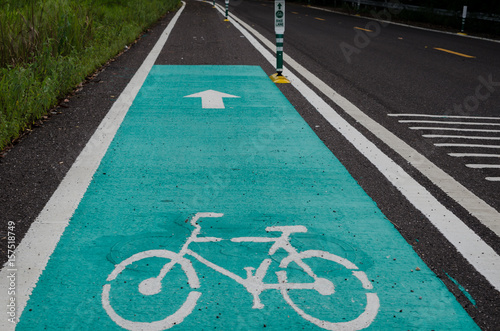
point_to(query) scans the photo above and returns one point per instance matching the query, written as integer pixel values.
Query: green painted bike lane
(230, 216)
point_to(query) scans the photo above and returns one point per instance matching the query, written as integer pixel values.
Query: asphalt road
(396, 71)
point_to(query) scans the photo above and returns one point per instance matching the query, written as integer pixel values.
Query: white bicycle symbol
(253, 283)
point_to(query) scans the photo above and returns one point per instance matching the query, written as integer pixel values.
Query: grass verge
(47, 47)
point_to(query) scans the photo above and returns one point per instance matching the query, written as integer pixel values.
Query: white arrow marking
(211, 99)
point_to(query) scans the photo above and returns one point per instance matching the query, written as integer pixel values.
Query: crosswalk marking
(463, 128)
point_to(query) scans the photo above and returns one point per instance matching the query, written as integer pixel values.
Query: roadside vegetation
(47, 47)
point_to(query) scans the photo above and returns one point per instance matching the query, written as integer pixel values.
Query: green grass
(47, 47)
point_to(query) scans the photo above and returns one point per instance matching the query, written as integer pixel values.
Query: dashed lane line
(362, 29)
(454, 53)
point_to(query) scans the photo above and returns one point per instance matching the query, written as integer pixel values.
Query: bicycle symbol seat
(253, 283)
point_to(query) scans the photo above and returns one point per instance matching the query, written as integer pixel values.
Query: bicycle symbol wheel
(356, 301)
(133, 290)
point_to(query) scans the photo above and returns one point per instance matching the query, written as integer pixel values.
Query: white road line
(473, 155)
(445, 116)
(483, 166)
(493, 179)
(453, 123)
(466, 145)
(459, 137)
(35, 249)
(451, 129)
(470, 245)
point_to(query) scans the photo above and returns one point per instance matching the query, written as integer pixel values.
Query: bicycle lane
(248, 155)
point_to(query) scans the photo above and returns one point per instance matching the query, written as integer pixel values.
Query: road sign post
(227, 11)
(464, 16)
(279, 29)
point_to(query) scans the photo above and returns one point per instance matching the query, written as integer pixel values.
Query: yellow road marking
(456, 53)
(321, 19)
(294, 12)
(358, 28)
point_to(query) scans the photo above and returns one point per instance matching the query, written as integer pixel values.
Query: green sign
(279, 16)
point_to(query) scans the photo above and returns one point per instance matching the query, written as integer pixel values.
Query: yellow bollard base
(279, 79)
(226, 20)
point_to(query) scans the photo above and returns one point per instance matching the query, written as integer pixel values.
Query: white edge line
(406, 25)
(481, 256)
(493, 179)
(34, 251)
